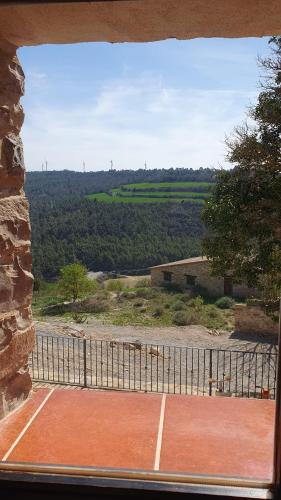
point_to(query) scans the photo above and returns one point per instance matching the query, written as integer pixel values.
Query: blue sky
(168, 103)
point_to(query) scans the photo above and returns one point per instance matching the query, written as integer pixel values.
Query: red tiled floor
(93, 428)
(11, 426)
(217, 436)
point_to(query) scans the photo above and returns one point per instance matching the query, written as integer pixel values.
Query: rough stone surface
(16, 327)
(252, 319)
(137, 20)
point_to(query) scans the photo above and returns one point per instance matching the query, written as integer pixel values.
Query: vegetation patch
(225, 303)
(158, 192)
(135, 306)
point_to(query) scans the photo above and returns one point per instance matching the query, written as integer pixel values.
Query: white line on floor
(160, 434)
(27, 426)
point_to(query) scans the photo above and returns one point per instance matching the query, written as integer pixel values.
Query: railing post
(210, 372)
(85, 361)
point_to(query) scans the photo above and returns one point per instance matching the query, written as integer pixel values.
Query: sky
(168, 103)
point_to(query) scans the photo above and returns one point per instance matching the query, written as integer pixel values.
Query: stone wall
(252, 319)
(214, 285)
(16, 327)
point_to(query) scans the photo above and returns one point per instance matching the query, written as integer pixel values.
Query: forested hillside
(66, 226)
(69, 184)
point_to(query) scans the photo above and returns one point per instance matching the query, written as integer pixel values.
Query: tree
(243, 214)
(74, 282)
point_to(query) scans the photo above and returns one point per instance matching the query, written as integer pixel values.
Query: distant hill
(67, 227)
(69, 184)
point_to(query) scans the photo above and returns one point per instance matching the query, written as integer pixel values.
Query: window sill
(55, 482)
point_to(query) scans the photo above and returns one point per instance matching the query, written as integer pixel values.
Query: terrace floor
(174, 433)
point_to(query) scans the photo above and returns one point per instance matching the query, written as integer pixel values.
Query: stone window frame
(18, 483)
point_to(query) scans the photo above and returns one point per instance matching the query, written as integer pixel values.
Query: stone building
(189, 273)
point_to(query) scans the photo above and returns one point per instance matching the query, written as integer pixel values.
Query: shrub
(181, 318)
(138, 303)
(212, 312)
(79, 318)
(158, 312)
(146, 293)
(143, 283)
(197, 303)
(186, 297)
(93, 305)
(114, 286)
(177, 306)
(225, 303)
(126, 294)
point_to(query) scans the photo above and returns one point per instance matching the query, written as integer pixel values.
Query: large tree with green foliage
(243, 215)
(74, 282)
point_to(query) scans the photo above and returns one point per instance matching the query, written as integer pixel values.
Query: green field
(160, 192)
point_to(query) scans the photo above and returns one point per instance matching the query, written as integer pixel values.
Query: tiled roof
(193, 260)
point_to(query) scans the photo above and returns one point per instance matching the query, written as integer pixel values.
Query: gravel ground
(191, 336)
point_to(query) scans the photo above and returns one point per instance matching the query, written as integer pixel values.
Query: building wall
(16, 327)
(252, 319)
(214, 285)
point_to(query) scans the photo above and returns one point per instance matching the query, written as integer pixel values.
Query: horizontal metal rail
(133, 366)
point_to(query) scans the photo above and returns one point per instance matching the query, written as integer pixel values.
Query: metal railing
(153, 367)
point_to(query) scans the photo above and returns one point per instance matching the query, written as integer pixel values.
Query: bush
(79, 318)
(127, 295)
(143, 283)
(138, 303)
(177, 306)
(158, 312)
(196, 303)
(146, 293)
(181, 318)
(93, 305)
(225, 303)
(186, 297)
(184, 318)
(114, 286)
(213, 313)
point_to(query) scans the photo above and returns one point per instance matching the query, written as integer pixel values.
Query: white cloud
(131, 121)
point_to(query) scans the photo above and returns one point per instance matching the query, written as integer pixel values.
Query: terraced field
(160, 192)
